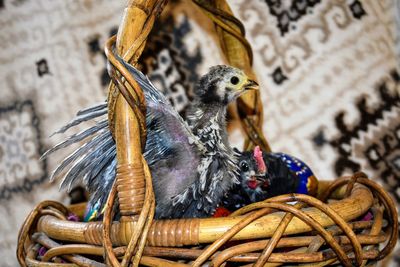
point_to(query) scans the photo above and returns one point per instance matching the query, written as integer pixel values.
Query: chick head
(254, 181)
(223, 84)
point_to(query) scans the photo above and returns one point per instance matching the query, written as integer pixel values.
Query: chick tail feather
(93, 163)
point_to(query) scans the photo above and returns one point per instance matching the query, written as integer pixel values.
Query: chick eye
(244, 166)
(234, 80)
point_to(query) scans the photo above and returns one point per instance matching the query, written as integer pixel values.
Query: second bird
(265, 175)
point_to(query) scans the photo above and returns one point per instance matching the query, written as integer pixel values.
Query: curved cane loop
(319, 205)
(39, 240)
(229, 234)
(143, 223)
(127, 120)
(30, 223)
(386, 201)
(132, 55)
(352, 181)
(142, 243)
(239, 54)
(52, 212)
(225, 15)
(392, 215)
(72, 249)
(135, 50)
(340, 222)
(338, 183)
(138, 108)
(272, 243)
(31, 259)
(46, 242)
(109, 254)
(267, 207)
(135, 97)
(228, 23)
(376, 228)
(232, 253)
(131, 51)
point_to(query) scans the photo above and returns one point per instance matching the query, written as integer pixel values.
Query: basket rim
(210, 229)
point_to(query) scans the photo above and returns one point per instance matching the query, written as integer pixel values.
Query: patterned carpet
(328, 70)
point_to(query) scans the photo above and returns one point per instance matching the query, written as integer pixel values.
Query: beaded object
(308, 184)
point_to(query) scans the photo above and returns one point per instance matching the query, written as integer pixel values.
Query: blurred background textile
(328, 71)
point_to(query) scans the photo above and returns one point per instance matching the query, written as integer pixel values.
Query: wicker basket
(353, 221)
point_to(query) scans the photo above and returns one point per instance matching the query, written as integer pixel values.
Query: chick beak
(251, 85)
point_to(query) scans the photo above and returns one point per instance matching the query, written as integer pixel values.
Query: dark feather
(78, 137)
(86, 116)
(90, 163)
(91, 109)
(94, 143)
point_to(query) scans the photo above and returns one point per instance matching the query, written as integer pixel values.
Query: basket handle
(133, 180)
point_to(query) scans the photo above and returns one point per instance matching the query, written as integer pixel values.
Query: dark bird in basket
(192, 166)
(265, 175)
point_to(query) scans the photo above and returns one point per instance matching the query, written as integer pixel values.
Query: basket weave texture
(346, 223)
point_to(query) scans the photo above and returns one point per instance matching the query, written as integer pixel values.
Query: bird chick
(192, 166)
(217, 169)
(265, 175)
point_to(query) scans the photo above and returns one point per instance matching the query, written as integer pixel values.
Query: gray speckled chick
(192, 165)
